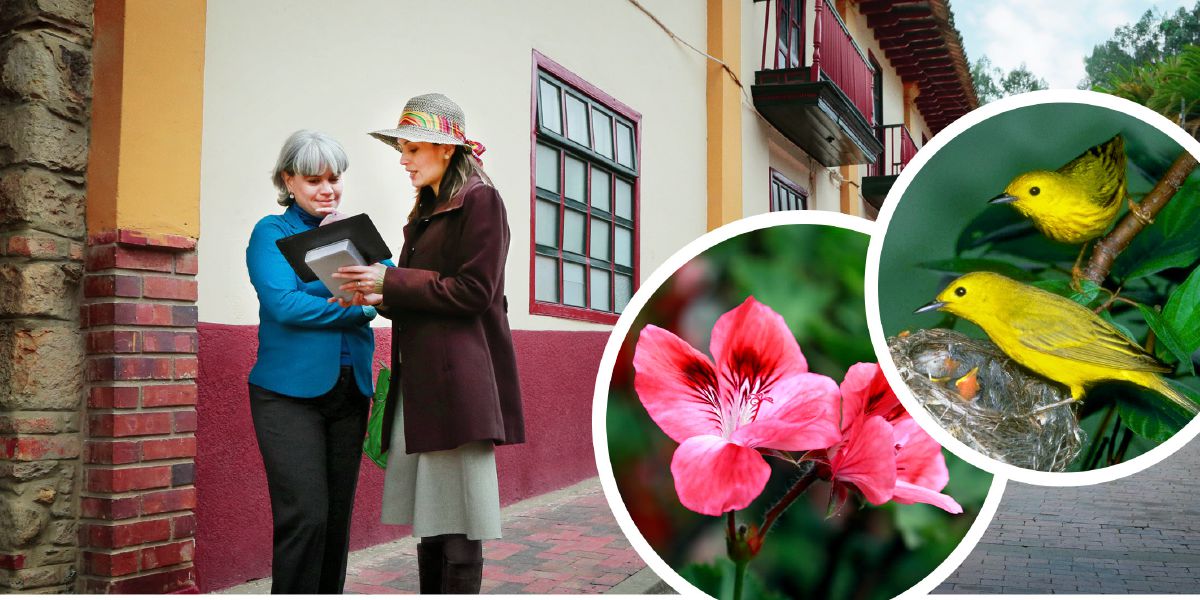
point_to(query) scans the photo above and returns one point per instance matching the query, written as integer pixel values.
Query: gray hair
(307, 152)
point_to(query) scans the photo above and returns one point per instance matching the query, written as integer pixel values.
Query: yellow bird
(1053, 336)
(1078, 202)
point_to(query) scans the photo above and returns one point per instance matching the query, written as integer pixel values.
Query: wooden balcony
(898, 150)
(823, 105)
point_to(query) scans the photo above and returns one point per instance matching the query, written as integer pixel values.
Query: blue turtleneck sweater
(302, 338)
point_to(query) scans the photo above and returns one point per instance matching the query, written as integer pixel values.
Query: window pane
(549, 107)
(573, 232)
(624, 243)
(572, 284)
(547, 168)
(546, 276)
(600, 285)
(577, 125)
(601, 186)
(625, 144)
(547, 223)
(600, 233)
(576, 183)
(624, 194)
(794, 51)
(602, 133)
(623, 290)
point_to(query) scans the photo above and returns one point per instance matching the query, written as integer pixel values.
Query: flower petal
(677, 384)
(920, 468)
(868, 460)
(865, 391)
(919, 460)
(801, 414)
(907, 493)
(713, 476)
(754, 341)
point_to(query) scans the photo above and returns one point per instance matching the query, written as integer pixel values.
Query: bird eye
(960, 291)
(1033, 191)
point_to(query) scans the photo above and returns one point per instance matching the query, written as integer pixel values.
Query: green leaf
(968, 265)
(708, 577)
(1167, 243)
(1168, 336)
(1088, 295)
(1152, 418)
(918, 523)
(1182, 311)
(716, 580)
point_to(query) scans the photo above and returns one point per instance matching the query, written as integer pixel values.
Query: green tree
(1170, 86)
(992, 83)
(1155, 37)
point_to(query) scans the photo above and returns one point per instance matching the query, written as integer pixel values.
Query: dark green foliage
(1155, 37)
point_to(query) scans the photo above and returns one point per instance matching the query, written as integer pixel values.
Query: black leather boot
(429, 564)
(462, 569)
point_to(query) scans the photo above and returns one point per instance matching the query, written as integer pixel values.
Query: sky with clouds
(1050, 37)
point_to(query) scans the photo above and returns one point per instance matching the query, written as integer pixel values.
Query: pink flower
(866, 459)
(920, 468)
(884, 454)
(758, 394)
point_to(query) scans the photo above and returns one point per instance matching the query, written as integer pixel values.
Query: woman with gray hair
(310, 387)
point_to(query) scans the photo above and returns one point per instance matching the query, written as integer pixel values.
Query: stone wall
(45, 97)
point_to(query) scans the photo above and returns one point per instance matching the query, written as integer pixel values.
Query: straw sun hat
(430, 118)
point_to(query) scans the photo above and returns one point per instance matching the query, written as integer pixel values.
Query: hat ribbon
(442, 124)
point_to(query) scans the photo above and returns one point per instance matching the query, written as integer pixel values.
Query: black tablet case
(358, 229)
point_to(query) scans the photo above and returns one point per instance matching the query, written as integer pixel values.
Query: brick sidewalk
(1139, 534)
(563, 542)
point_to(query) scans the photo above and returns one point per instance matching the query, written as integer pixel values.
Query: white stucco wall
(274, 66)
(763, 147)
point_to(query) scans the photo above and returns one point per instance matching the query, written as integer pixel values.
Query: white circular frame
(871, 291)
(621, 331)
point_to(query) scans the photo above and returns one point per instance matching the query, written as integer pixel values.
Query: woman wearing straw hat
(450, 328)
(310, 387)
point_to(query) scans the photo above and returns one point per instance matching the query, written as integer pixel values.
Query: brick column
(45, 96)
(138, 528)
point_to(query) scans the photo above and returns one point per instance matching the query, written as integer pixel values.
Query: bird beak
(929, 307)
(1002, 199)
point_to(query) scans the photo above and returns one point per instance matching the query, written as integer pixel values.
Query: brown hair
(462, 165)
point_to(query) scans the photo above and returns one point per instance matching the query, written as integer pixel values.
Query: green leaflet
(1168, 336)
(1182, 312)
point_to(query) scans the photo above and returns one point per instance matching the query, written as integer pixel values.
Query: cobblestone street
(1139, 534)
(564, 542)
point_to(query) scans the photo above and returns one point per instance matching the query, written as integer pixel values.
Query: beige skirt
(448, 491)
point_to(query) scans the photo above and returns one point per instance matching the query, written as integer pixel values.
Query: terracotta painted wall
(233, 533)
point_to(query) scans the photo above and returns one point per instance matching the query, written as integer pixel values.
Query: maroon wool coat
(450, 327)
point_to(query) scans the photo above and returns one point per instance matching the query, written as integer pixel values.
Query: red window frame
(778, 180)
(543, 64)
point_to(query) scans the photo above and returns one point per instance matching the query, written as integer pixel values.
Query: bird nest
(987, 401)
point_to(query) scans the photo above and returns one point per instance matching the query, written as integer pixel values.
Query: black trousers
(311, 448)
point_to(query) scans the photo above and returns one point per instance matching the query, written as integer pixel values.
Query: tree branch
(1111, 245)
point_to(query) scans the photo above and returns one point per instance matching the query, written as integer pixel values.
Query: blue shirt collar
(299, 218)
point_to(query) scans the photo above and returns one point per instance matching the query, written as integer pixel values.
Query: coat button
(412, 249)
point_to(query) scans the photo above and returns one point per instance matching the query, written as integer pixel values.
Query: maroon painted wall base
(233, 532)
